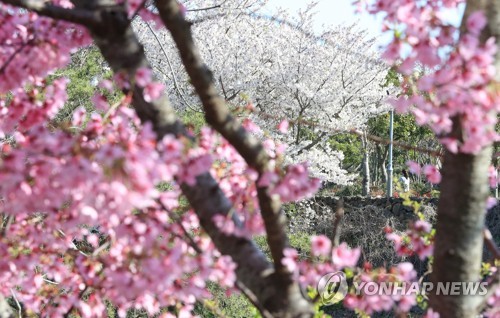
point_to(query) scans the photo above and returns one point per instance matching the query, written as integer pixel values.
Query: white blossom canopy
(320, 82)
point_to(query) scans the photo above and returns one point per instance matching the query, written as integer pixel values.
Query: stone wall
(394, 207)
(364, 220)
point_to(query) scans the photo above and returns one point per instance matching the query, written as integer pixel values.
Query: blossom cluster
(457, 72)
(400, 302)
(324, 259)
(32, 46)
(86, 213)
(431, 172)
(418, 240)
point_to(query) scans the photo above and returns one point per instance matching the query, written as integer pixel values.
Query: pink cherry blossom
(431, 314)
(143, 76)
(476, 22)
(493, 177)
(432, 174)
(290, 259)
(152, 91)
(414, 167)
(321, 245)
(100, 102)
(283, 126)
(343, 256)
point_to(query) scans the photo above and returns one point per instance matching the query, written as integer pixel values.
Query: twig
(73, 243)
(207, 8)
(20, 309)
(253, 299)
(174, 78)
(177, 220)
(6, 222)
(13, 55)
(136, 12)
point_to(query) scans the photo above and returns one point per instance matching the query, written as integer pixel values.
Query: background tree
(288, 72)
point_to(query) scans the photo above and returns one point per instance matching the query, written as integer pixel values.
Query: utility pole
(389, 166)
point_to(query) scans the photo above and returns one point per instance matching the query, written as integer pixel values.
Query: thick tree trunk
(459, 231)
(462, 207)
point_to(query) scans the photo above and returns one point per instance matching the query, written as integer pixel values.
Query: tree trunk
(382, 162)
(366, 166)
(459, 231)
(462, 207)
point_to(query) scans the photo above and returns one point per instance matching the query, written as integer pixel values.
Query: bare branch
(377, 139)
(207, 8)
(174, 78)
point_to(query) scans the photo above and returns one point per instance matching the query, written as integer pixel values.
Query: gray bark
(461, 210)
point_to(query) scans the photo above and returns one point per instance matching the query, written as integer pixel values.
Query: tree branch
(79, 16)
(312, 144)
(219, 117)
(124, 54)
(288, 300)
(377, 139)
(12, 56)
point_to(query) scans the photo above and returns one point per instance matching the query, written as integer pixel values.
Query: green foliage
(392, 78)
(193, 120)
(350, 145)
(301, 242)
(222, 305)
(86, 69)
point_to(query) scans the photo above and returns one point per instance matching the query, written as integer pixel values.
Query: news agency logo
(332, 288)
